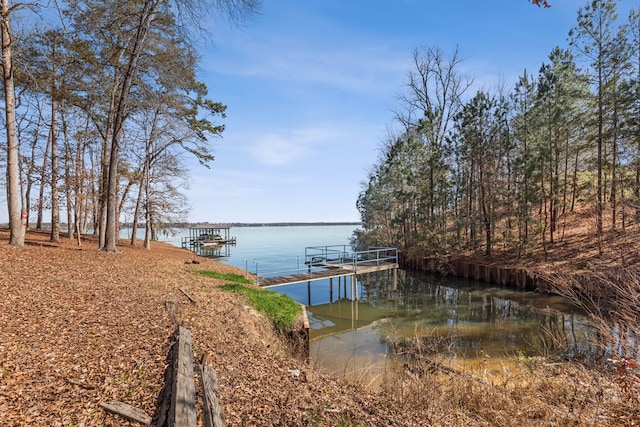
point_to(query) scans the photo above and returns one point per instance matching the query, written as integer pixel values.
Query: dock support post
(330, 289)
(395, 280)
(354, 300)
(309, 285)
(354, 291)
(353, 314)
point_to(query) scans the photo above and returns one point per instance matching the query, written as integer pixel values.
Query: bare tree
(432, 100)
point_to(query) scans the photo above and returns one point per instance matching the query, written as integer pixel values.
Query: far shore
(223, 224)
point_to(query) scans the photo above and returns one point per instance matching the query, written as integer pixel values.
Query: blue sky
(311, 87)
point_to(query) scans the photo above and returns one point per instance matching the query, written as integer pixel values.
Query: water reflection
(470, 321)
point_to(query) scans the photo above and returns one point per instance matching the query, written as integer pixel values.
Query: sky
(311, 88)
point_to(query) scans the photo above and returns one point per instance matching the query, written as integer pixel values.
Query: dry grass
(529, 392)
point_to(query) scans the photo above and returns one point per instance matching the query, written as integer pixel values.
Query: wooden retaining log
(183, 408)
(212, 409)
(298, 340)
(503, 274)
(478, 272)
(462, 269)
(306, 328)
(177, 405)
(519, 277)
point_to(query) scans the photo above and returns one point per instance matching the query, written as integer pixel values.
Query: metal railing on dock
(320, 262)
(338, 256)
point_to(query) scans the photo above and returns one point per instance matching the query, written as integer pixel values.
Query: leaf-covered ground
(79, 327)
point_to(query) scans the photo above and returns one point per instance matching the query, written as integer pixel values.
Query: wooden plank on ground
(183, 394)
(189, 297)
(127, 411)
(212, 409)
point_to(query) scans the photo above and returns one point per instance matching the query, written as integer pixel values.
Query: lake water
(470, 322)
(273, 242)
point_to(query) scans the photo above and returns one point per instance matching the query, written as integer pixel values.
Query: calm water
(469, 323)
(273, 242)
(472, 322)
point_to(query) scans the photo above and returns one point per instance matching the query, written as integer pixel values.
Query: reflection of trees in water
(554, 335)
(610, 298)
(474, 317)
(378, 286)
(559, 334)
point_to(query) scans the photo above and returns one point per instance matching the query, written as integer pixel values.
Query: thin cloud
(306, 143)
(276, 150)
(359, 67)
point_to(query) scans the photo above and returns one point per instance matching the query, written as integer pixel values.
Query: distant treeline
(47, 226)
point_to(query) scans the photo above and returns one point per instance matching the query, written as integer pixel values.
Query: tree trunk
(43, 179)
(136, 211)
(486, 220)
(147, 208)
(144, 185)
(614, 165)
(17, 219)
(67, 176)
(574, 182)
(32, 166)
(55, 203)
(599, 205)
